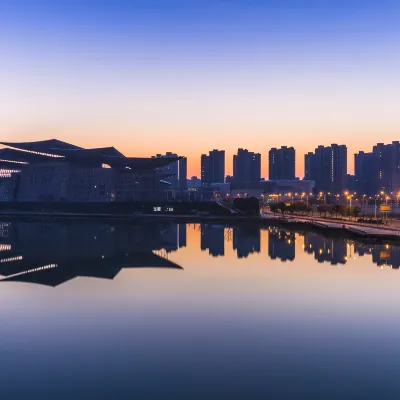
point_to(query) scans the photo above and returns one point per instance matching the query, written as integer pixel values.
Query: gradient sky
(187, 76)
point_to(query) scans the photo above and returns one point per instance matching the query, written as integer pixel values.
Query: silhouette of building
(193, 182)
(365, 173)
(52, 170)
(282, 163)
(351, 183)
(246, 167)
(281, 245)
(213, 167)
(333, 251)
(246, 241)
(213, 239)
(327, 166)
(174, 173)
(287, 186)
(387, 166)
(228, 179)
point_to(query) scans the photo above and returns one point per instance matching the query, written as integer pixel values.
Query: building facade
(282, 163)
(246, 167)
(365, 173)
(327, 166)
(378, 170)
(387, 166)
(174, 173)
(53, 170)
(213, 167)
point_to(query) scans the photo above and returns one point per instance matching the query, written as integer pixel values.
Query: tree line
(333, 210)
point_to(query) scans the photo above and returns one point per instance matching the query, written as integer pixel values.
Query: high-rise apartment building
(213, 167)
(246, 167)
(327, 166)
(282, 163)
(378, 170)
(365, 173)
(387, 164)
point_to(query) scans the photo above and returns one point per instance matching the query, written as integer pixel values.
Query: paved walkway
(351, 226)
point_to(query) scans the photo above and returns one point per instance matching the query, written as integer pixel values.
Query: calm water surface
(95, 310)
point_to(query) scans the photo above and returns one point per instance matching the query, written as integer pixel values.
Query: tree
(331, 210)
(302, 208)
(339, 209)
(250, 206)
(274, 207)
(355, 211)
(323, 209)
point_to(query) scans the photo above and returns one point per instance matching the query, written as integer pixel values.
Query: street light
(304, 194)
(349, 197)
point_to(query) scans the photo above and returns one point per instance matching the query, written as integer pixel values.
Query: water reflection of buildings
(333, 250)
(246, 241)
(174, 236)
(54, 253)
(281, 245)
(213, 239)
(382, 255)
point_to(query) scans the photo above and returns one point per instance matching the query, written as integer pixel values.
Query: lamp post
(349, 197)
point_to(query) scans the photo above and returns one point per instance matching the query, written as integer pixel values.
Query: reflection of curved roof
(103, 268)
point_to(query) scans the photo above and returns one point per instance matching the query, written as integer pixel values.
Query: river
(113, 310)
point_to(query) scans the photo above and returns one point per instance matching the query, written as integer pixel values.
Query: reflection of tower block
(171, 194)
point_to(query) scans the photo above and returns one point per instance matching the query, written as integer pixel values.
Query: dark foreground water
(94, 310)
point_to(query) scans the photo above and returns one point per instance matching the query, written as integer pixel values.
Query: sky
(189, 76)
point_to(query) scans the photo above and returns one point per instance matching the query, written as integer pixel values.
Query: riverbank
(338, 229)
(185, 218)
(358, 230)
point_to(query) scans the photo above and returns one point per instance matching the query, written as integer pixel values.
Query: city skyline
(156, 76)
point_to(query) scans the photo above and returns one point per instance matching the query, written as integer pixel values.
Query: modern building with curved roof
(53, 170)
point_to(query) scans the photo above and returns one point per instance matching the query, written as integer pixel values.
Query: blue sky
(187, 76)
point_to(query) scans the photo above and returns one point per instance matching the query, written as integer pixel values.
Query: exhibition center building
(53, 170)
